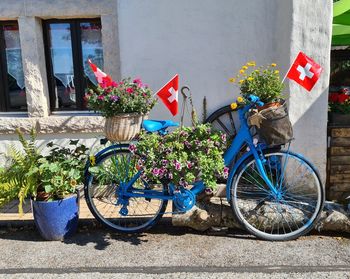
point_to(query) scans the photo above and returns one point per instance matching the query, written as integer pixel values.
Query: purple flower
(188, 144)
(197, 142)
(208, 191)
(189, 165)
(178, 165)
(226, 170)
(156, 171)
(132, 148)
(164, 162)
(114, 98)
(170, 175)
(223, 137)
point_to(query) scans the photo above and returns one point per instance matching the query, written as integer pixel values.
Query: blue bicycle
(275, 194)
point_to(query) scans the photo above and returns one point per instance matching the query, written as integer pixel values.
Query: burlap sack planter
(123, 127)
(273, 125)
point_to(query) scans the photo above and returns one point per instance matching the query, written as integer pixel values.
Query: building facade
(45, 45)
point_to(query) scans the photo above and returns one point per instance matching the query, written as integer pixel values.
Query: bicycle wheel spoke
(132, 214)
(290, 213)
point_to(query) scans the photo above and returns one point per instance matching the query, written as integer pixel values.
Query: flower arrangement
(44, 177)
(126, 96)
(184, 156)
(339, 102)
(263, 82)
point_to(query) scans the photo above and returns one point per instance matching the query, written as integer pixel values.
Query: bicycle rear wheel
(103, 193)
(288, 215)
(222, 120)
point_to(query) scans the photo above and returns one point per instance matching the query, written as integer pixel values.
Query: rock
(217, 213)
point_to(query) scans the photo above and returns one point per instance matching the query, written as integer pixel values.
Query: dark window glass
(12, 86)
(69, 44)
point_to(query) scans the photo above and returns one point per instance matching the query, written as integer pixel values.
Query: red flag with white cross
(102, 78)
(305, 71)
(169, 95)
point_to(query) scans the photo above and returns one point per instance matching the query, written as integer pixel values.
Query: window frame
(77, 55)
(5, 105)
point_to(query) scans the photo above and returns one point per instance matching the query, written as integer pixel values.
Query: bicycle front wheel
(104, 194)
(290, 213)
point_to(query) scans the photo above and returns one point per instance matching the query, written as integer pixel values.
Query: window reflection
(62, 63)
(15, 76)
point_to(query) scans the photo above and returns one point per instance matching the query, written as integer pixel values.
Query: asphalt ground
(169, 252)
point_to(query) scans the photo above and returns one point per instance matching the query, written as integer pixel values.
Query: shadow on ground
(101, 238)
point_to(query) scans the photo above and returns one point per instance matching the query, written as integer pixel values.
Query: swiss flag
(102, 78)
(169, 94)
(305, 71)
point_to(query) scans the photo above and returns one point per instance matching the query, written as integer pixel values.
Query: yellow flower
(240, 99)
(232, 80)
(250, 78)
(273, 65)
(241, 71)
(234, 106)
(244, 67)
(277, 72)
(241, 81)
(73, 183)
(251, 64)
(257, 71)
(92, 160)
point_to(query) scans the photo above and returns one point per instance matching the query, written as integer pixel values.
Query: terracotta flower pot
(269, 105)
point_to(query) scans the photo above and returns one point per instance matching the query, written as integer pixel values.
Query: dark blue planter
(56, 220)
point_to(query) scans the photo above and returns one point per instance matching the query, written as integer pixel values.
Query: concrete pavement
(168, 252)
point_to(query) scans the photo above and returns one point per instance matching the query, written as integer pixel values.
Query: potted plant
(124, 104)
(184, 156)
(50, 180)
(339, 107)
(263, 82)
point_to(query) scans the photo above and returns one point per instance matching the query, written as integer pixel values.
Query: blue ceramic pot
(56, 220)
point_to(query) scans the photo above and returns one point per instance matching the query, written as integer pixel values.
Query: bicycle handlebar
(255, 100)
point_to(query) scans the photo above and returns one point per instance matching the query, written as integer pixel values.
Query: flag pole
(287, 72)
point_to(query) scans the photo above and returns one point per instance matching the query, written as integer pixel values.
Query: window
(340, 70)
(12, 87)
(69, 44)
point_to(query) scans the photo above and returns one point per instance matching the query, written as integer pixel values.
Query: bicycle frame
(243, 137)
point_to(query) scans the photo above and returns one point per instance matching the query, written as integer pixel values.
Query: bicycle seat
(158, 125)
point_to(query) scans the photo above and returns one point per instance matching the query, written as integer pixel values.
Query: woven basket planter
(123, 127)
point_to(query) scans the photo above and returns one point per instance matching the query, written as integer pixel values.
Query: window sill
(53, 124)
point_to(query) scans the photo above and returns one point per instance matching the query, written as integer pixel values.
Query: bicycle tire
(110, 214)
(218, 119)
(299, 206)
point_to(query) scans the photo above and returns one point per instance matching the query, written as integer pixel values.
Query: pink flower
(101, 97)
(226, 170)
(189, 165)
(178, 165)
(223, 137)
(114, 84)
(130, 90)
(156, 171)
(138, 82)
(132, 148)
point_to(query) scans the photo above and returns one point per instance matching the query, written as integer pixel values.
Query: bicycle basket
(272, 124)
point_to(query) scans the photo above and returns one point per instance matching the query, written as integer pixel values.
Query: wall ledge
(53, 124)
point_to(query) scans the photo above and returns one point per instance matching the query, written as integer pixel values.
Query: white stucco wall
(206, 42)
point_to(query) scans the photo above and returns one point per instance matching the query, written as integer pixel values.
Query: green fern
(22, 176)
